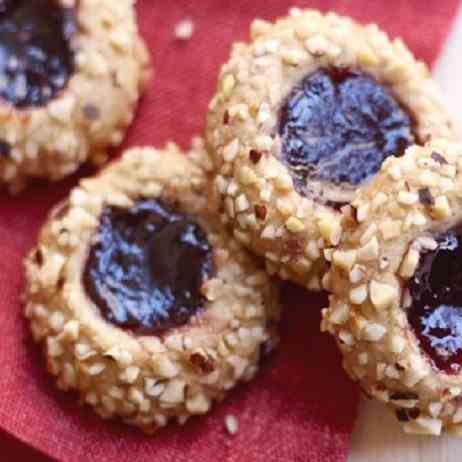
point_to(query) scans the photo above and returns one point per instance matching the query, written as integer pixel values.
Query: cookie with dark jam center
(436, 311)
(338, 126)
(146, 271)
(36, 59)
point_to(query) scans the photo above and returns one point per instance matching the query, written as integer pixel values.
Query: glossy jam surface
(338, 126)
(146, 271)
(36, 59)
(436, 311)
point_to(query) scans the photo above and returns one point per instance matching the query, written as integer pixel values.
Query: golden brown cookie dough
(305, 89)
(70, 79)
(146, 361)
(396, 308)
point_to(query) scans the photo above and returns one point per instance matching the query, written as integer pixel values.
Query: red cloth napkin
(301, 407)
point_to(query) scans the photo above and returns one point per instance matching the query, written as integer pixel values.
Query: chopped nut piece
(441, 208)
(330, 228)
(410, 262)
(231, 424)
(346, 337)
(295, 225)
(369, 251)
(424, 426)
(407, 198)
(390, 229)
(255, 156)
(362, 213)
(231, 151)
(438, 158)
(344, 259)
(241, 204)
(358, 295)
(382, 295)
(173, 392)
(397, 344)
(339, 314)
(184, 29)
(425, 196)
(199, 404)
(374, 332)
(261, 212)
(357, 273)
(368, 234)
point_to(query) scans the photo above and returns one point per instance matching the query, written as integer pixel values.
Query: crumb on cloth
(231, 424)
(184, 29)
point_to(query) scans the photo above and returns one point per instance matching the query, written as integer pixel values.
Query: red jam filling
(338, 126)
(147, 268)
(436, 311)
(36, 60)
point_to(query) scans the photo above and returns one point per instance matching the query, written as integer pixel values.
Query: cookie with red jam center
(53, 54)
(144, 304)
(396, 304)
(304, 115)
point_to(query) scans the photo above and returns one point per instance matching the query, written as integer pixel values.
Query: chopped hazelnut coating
(49, 130)
(147, 378)
(398, 320)
(276, 187)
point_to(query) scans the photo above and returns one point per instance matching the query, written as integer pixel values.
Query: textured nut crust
(95, 108)
(255, 188)
(369, 276)
(147, 380)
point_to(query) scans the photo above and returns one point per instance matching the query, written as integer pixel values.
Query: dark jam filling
(146, 271)
(36, 59)
(436, 311)
(338, 126)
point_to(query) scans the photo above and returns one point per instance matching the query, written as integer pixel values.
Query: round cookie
(304, 114)
(144, 303)
(396, 308)
(71, 73)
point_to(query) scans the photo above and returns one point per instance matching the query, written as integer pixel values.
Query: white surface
(377, 436)
(448, 71)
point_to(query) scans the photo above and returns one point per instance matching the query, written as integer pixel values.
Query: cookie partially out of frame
(143, 302)
(71, 73)
(305, 114)
(396, 308)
